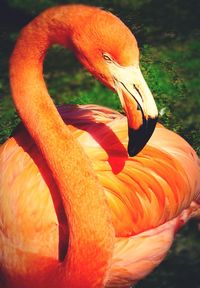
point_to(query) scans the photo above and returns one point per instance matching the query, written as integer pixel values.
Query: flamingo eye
(107, 58)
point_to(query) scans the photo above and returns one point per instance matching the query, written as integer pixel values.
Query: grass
(173, 83)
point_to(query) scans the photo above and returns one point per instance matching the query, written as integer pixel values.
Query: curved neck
(91, 232)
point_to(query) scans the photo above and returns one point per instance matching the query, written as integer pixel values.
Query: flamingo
(76, 209)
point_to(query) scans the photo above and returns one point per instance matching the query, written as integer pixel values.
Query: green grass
(173, 83)
(172, 72)
(181, 267)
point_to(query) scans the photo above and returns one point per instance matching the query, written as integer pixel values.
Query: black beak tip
(132, 151)
(138, 138)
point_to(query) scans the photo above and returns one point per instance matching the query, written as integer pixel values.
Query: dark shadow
(102, 134)
(12, 18)
(170, 19)
(158, 22)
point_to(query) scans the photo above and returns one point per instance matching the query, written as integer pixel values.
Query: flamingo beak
(138, 104)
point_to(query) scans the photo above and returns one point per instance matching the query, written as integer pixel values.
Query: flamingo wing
(149, 196)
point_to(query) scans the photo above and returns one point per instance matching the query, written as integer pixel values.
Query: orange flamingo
(75, 209)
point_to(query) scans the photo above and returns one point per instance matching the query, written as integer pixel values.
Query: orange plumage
(56, 219)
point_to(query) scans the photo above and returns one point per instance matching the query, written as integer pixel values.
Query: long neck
(91, 233)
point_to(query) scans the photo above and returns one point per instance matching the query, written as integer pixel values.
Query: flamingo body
(75, 210)
(149, 196)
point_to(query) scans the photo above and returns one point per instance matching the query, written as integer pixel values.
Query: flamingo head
(108, 49)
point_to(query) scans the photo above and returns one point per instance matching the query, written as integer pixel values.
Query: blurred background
(168, 33)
